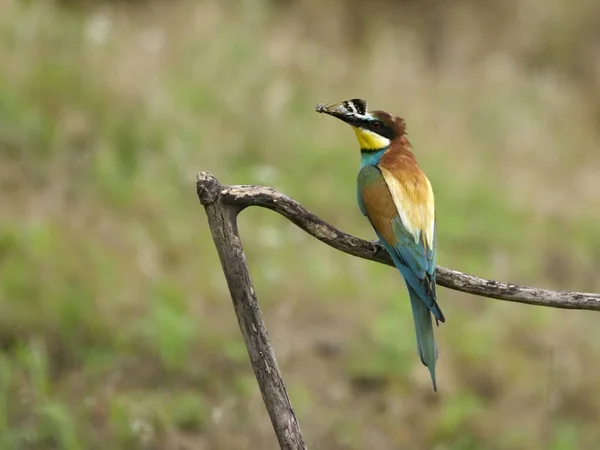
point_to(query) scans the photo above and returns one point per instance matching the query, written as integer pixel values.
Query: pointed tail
(424, 328)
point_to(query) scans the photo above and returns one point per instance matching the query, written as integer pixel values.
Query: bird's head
(374, 130)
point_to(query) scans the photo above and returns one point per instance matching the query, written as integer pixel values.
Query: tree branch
(222, 219)
(224, 203)
(244, 196)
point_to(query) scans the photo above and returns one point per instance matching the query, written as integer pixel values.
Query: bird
(397, 199)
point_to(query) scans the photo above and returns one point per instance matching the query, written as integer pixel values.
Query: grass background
(116, 328)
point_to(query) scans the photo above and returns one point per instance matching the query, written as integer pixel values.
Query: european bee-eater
(397, 198)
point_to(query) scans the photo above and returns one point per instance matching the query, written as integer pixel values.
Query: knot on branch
(207, 187)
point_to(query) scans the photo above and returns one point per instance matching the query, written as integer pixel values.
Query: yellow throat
(369, 140)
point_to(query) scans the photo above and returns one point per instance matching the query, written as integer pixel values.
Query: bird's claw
(376, 243)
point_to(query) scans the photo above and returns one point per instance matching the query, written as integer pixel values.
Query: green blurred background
(116, 327)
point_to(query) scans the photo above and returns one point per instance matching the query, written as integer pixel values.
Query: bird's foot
(376, 242)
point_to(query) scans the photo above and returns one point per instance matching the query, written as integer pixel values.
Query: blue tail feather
(426, 346)
(423, 305)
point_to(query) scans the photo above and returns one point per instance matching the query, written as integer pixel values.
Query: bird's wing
(404, 218)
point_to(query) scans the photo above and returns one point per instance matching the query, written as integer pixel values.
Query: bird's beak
(338, 110)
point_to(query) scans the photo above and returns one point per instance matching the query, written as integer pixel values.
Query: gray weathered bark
(222, 219)
(224, 203)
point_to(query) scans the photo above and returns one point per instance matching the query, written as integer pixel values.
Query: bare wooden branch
(222, 219)
(244, 196)
(224, 203)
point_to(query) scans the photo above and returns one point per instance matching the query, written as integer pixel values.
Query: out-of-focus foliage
(115, 324)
